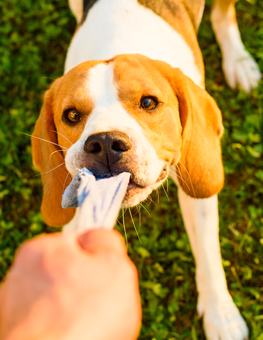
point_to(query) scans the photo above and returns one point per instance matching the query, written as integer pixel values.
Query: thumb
(101, 240)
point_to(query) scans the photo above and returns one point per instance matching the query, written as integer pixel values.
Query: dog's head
(129, 114)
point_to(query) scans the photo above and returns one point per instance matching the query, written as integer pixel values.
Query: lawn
(34, 36)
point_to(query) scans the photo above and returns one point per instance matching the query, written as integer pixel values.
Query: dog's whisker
(62, 136)
(140, 218)
(44, 140)
(65, 182)
(124, 228)
(137, 210)
(165, 192)
(176, 171)
(158, 195)
(118, 222)
(43, 173)
(145, 209)
(123, 211)
(55, 152)
(151, 199)
(181, 177)
(176, 174)
(134, 226)
(188, 177)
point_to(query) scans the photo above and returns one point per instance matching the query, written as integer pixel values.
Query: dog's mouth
(138, 188)
(135, 183)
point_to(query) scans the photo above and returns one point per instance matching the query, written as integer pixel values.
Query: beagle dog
(133, 99)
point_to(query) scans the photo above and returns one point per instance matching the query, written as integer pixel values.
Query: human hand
(64, 286)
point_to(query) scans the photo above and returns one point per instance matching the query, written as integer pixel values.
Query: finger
(30, 250)
(46, 251)
(101, 240)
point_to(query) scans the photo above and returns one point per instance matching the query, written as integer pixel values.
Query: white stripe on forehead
(108, 113)
(101, 87)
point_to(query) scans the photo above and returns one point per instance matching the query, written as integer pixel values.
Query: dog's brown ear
(200, 166)
(55, 176)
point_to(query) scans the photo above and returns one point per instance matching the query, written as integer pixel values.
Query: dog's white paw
(200, 307)
(240, 69)
(222, 321)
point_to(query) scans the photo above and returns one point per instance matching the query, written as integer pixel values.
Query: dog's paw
(222, 321)
(240, 69)
(200, 307)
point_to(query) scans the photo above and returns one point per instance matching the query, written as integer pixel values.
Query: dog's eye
(148, 103)
(72, 116)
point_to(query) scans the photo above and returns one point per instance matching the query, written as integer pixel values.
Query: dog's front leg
(239, 67)
(222, 319)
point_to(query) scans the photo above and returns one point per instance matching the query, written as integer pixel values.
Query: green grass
(34, 36)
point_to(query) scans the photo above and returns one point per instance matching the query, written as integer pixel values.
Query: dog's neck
(121, 26)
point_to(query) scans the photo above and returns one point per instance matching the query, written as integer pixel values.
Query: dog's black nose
(107, 147)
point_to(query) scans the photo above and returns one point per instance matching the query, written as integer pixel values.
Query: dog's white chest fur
(120, 26)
